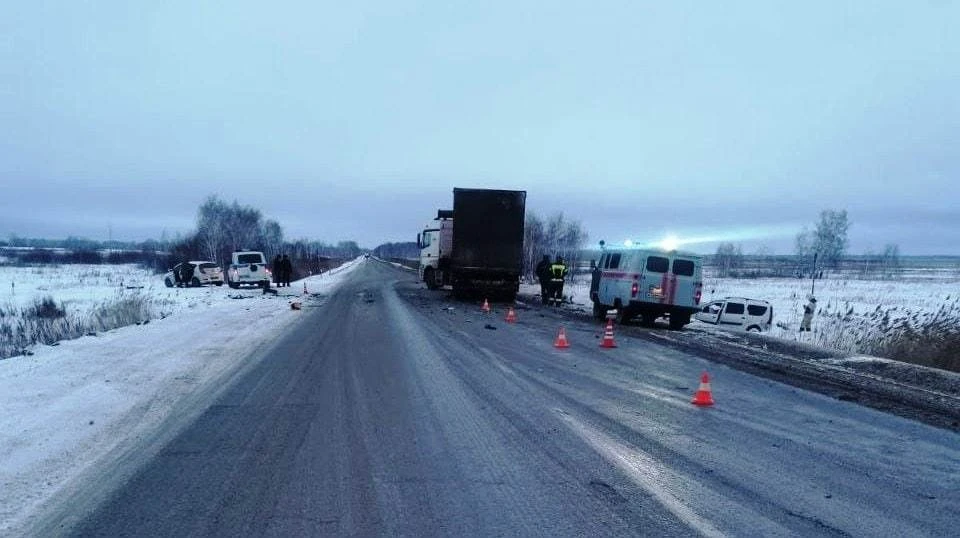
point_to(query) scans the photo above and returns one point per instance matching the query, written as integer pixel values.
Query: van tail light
(696, 295)
(634, 289)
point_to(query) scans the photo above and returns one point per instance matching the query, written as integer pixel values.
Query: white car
(752, 315)
(197, 273)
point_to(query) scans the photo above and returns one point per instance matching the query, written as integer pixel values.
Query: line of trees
(555, 236)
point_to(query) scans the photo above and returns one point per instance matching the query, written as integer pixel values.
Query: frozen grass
(48, 322)
(48, 303)
(915, 320)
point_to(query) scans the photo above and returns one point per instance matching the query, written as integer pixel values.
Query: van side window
(656, 264)
(734, 308)
(683, 267)
(756, 310)
(615, 261)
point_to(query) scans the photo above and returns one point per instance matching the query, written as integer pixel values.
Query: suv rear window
(683, 267)
(756, 310)
(208, 265)
(250, 258)
(734, 308)
(656, 264)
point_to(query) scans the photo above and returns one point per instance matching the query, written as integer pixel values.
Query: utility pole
(813, 275)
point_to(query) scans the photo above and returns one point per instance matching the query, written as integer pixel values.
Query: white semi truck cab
(436, 243)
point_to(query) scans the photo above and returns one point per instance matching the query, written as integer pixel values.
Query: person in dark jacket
(543, 275)
(558, 274)
(186, 274)
(287, 270)
(277, 271)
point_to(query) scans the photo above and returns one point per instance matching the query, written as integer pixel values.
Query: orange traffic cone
(561, 340)
(608, 335)
(511, 316)
(703, 396)
(486, 306)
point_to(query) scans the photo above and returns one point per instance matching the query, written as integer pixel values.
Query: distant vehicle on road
(201, 273)
(741, 313)
(248, 268)
(648, 283)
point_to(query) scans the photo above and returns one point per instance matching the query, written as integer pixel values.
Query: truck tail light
(696, 295)
(634, 289)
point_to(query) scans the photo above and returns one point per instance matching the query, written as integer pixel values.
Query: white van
(648, 283)
(738, 313)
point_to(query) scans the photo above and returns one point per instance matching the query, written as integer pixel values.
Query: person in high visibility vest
(558, 274)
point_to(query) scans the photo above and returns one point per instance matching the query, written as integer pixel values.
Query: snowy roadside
(68, 409)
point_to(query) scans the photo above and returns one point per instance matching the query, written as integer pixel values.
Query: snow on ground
(69, 407)
(845, 305)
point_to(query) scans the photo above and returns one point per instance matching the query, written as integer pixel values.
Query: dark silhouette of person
(543, 275)
(186, 274)
(277, 271)
(287, 270)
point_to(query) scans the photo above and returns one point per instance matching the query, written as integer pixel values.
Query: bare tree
(827, 241)
(558, 236)
(890, 261)
(272, 238)
(728, 258)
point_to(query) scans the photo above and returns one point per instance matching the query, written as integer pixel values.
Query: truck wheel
(624, 315)
(430, 278)
(599, 311)
(677, 321)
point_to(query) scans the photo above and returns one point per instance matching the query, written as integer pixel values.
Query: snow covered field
(849, 310)
(68, 407)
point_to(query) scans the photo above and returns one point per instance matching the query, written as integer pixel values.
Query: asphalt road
(392, 410)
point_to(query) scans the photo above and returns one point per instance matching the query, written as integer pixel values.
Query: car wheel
(195, 282)
(219, 283)
(753, 329)
(233, 285)
(168, 282)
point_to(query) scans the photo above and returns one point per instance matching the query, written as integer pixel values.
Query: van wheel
(599, 311)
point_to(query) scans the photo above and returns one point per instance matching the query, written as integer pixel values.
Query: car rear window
(756, 310)
(208, 265)
(683, 267)
(734, 308)
(249, 258)
(656, 264)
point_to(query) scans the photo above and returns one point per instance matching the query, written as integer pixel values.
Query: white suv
(248, 267)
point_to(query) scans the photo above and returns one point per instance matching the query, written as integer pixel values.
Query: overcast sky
(355, 120)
